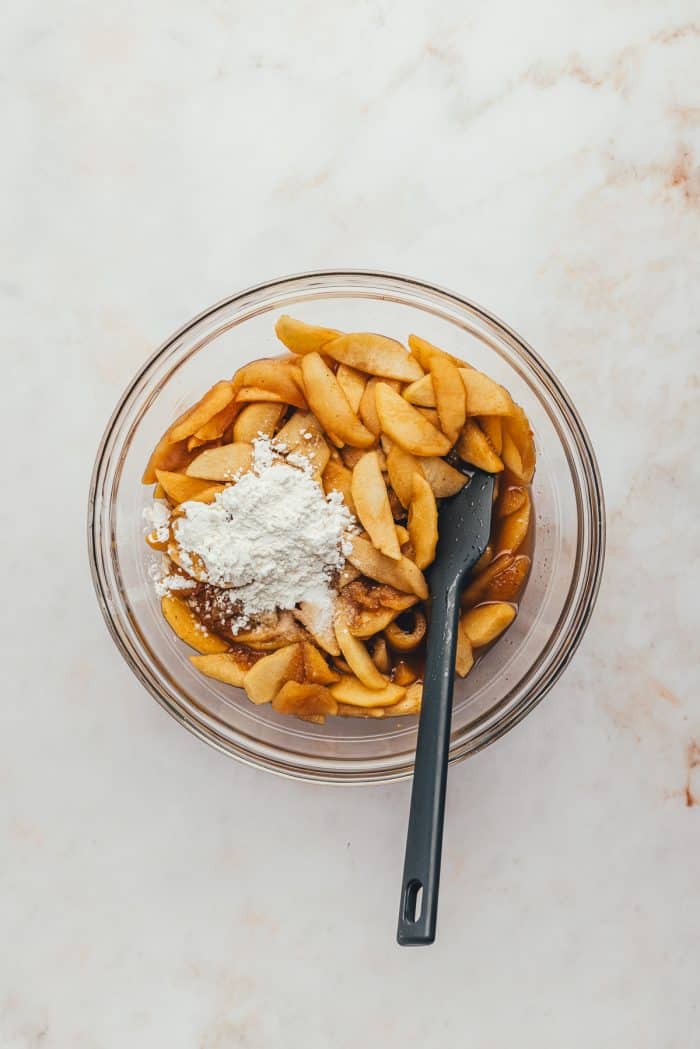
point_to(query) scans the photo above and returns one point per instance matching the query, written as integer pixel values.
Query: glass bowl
(569, 539)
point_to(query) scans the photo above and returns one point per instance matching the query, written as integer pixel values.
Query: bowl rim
(374, 770)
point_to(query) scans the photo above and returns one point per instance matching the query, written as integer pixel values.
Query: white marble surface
(541, 158)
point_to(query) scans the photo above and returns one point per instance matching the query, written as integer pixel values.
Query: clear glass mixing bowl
(569, 528)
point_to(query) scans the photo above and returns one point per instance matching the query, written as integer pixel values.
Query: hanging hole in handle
(413, 903)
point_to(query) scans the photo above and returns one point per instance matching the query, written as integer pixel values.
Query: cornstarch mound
(272, 540)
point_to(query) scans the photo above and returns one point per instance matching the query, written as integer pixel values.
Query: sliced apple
(423, 522)
(425, 352)
(213, 401)
(514, 528)
(229, 667)
(346, 710)
(519, 445)
(507, 584)
(464, 660)
(375, 355)
(421, 392)
(320, 627)
(406, 426)
(442, 478)
(404, 674)
(372, 505)
(302, 435)
(257, 395)
(273, 376)
(380, 655)
(217, 426)
(407, 640)
(188, 628)
(303, 338)
(473, 447)
(492, 426)
(276, 630)
(256, 419)
(167, 455)
(224, 463)
(401, 467)
(304, 700)
(511, 499)
(337, 478)
(316, 670)
(350, 690)
(330, 405)
(450, 396)
(352, 382)
(484, 395)
(411, 702)
(368, 622)
(357, 657)
(479, 585)
(486, 622)
(265, 679)
(180, 488)
(402, 574)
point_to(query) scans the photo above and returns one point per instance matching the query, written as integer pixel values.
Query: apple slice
(473, 447)
(423, 522)
(330, 405)
(229, 667)
(402, 574)
(304, 701)
(406, 426)
(486, 622)
(372, 507)
(303, 338)
(185, 624)
(224, 463)
(351, 691)
(264, 680)
(375, 355)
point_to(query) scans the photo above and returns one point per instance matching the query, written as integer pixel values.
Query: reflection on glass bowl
(569, 535)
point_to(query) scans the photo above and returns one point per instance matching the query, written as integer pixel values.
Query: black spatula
(464, 526)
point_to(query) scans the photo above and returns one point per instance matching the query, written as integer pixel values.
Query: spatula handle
(421, 873)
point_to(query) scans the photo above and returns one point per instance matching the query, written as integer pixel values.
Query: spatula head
(464, 526)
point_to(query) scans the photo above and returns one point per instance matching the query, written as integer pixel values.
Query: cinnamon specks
(692, 790)
(684, 176)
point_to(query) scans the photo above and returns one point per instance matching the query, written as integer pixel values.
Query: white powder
(273, 538)
(158, 517)
(163, 582)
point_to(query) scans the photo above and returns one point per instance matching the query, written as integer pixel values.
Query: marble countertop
(541, 159)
